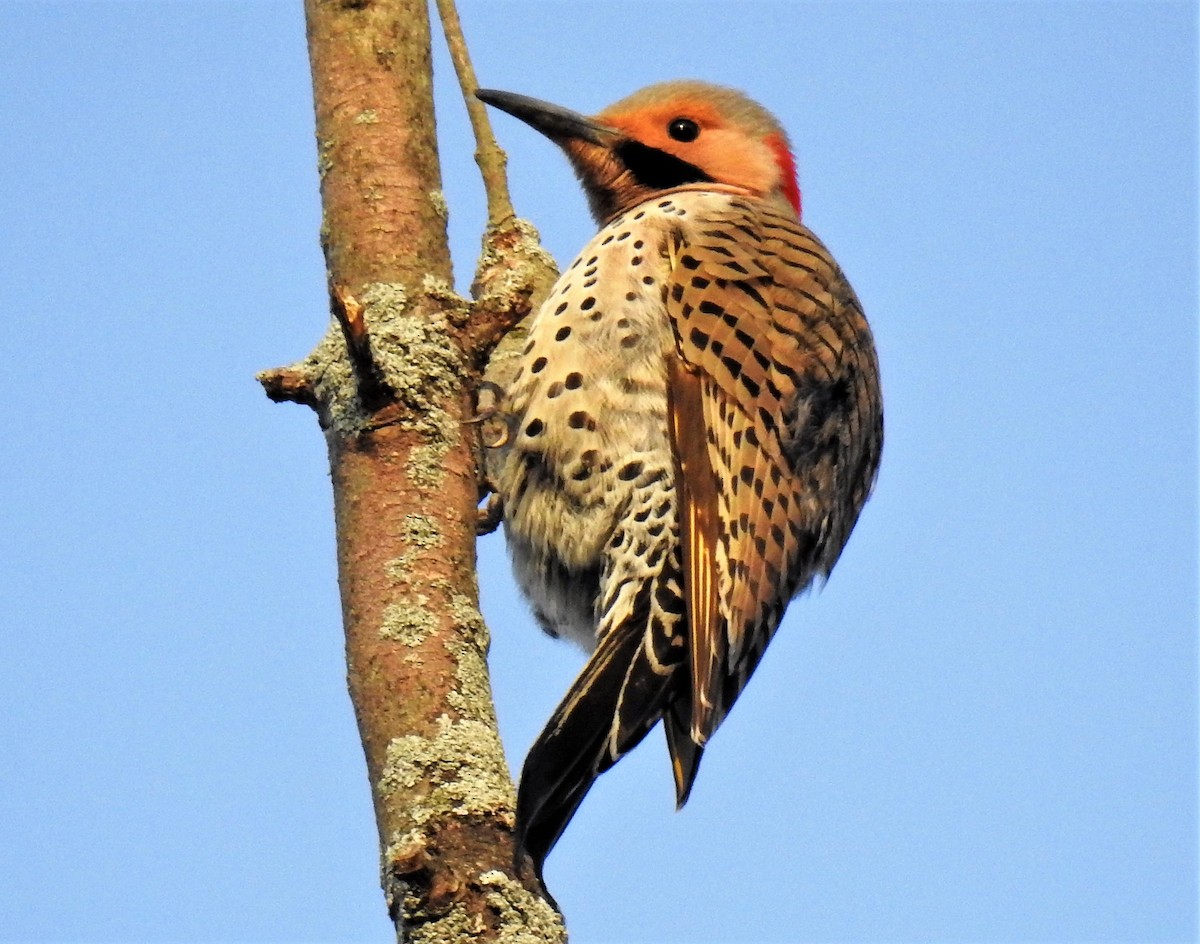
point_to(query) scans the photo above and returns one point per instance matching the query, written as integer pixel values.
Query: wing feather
(776, 427)
(699, 535)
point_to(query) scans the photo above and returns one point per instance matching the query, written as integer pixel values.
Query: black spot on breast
(574, 380)
(629, 471)
(554, 390)
(535, 428)
(579, 420)
(538, 366)
(588, 303)
(562, 333)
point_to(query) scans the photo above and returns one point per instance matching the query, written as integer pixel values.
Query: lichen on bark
(392, 382)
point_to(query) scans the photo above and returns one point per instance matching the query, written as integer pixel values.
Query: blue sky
(983, 729)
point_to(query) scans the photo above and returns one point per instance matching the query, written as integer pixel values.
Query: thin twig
(373, 391)
(488, 154)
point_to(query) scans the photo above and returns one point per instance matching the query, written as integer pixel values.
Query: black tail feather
(685, 753)
(618, 690)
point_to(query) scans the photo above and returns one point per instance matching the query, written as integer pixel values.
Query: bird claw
(483, 414)
(486, 413)
(488, 518)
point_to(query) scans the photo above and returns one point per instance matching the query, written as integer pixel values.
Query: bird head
(666, 136)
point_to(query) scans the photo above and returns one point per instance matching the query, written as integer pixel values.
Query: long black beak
(555, 122)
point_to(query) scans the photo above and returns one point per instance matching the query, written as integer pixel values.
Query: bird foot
(486, 414)
(488, 517)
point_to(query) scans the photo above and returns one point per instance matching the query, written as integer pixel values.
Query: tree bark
(392, 383)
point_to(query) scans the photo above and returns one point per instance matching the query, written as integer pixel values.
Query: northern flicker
(693, 430)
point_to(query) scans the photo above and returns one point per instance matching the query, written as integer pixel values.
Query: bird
(692, 431)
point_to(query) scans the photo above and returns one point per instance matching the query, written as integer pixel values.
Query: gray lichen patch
(421, 531)
(437, 200)
(324, 157)
(426, 465)
(368, 116)
(464, 766)
(454, 927)
(413, 349)
(409, 623)
(525, 918)
(472, 694)
(527, 248)
(441, 291)
(466, 614)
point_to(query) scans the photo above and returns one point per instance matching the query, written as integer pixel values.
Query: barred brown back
(789, 397)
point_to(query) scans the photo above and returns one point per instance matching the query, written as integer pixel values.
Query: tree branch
(514, 272)
(390, 380)
(491, 159)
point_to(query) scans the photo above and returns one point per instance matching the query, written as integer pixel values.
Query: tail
(685, 753)
(619, 696)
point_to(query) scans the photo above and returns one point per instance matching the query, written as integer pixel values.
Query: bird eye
(683, 129)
